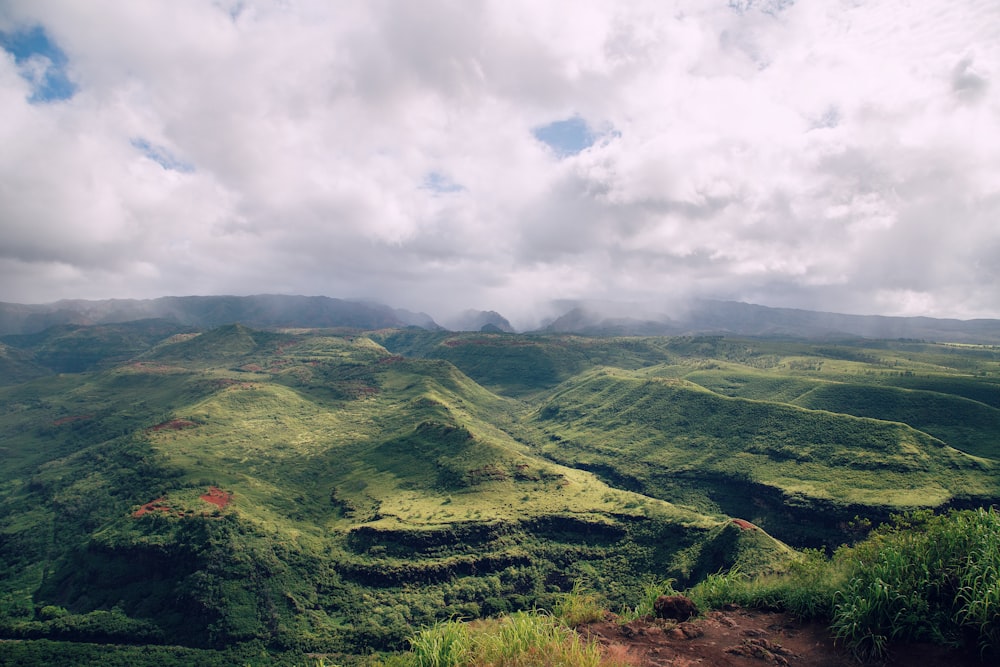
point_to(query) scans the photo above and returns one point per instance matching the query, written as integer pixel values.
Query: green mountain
(307, 491)
(261, 310)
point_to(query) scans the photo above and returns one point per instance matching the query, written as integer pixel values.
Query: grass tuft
(443, 645)
(647, 598)
(579, 606)
(521, 639)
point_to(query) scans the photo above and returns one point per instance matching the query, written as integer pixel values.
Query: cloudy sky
(837, 155)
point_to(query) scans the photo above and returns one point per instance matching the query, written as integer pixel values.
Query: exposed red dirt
(747, 638)
(214, 496)
(217, 497)
(70, 420)
(743, 524)
(158, 505)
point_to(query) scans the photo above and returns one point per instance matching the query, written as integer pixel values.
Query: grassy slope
(678, 441)
(370, 494)
(652, 429)
(522, 365)
(374, 493)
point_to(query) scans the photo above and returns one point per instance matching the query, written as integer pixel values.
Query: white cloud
(830, 155)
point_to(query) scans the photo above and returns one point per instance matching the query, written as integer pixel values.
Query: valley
(332, 491)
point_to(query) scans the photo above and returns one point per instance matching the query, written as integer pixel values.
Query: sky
(836, 155)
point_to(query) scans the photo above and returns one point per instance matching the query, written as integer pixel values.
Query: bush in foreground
(922, 578)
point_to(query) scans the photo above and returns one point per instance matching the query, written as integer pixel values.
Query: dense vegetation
(919, 578)
(922, 577)
(311, 491)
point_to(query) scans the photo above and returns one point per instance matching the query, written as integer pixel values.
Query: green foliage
(372, 494)
(965, 424)
(924, 577)
(806, 588)
(447, 644)
(74, 348)
(522, 639)
(802, 473)
(644, 608)
(579, 606)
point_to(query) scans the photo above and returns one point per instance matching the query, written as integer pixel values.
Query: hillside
(308, 491)
(312, 491)
(261, 311)
(799, 438)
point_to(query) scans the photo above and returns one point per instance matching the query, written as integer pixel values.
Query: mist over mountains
(705, 316)
(699, 316)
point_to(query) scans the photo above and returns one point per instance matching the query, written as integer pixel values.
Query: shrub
(926, 577)
(921, 578)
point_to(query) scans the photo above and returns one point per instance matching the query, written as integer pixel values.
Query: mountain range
(698, 316)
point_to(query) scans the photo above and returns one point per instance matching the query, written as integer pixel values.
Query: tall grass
(521, 639)
(921, 578)
(443, 645)
(579, 606)
(928, 577)
(806, 589)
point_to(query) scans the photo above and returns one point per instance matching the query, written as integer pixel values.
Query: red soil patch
(217, 497)
(743, 524)
(174, 425)
(214, 496)
(69, 420)
(748, 638)
(158, 505)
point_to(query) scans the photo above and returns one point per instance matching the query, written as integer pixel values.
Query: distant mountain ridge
(706, 316)
(480, 320)
(697, 317)
(259, 311)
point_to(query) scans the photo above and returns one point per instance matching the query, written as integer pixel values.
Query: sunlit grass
(522, 639)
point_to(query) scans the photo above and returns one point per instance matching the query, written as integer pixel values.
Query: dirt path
(747, 638)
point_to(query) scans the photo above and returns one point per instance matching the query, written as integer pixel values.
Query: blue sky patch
(161, 156)
(438, 182)
(566, 137)
(42, 63)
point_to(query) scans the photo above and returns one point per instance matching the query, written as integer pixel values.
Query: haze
(840, 155)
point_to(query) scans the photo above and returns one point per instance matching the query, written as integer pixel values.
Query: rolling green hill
(305, 491)
(309, 492)
(794, 471)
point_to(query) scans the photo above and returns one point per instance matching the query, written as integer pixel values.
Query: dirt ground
(748, 638)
